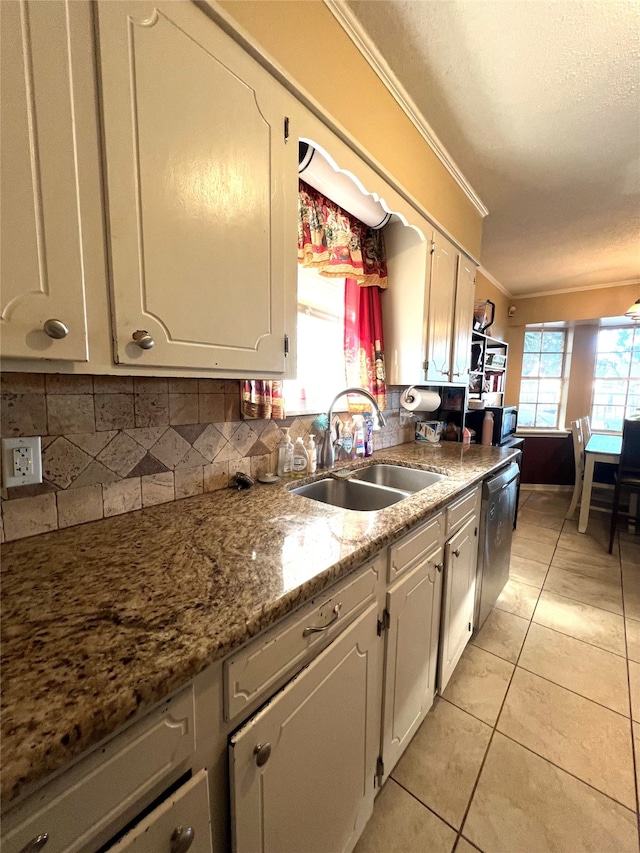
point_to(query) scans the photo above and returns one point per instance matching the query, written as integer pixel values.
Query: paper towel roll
(415, 400)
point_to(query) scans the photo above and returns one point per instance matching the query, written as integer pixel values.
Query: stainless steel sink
(398, 477)
(368, 489)
(349, 494)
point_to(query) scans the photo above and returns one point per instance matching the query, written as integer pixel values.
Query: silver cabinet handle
(182, 839)
(456, 553)
(312, 630)
(55, 328)
(143, 339)
(36, 843)
(440, 566)
(262, 752)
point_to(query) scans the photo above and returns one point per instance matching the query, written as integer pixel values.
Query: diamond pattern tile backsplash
(114, 444)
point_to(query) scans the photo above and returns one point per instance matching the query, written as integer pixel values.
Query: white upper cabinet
(202, 192)
(428, 308)
(46, 61)
(463, 319)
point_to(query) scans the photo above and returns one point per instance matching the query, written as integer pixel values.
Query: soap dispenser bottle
(285, 455)
(312, 453)
(300, 458)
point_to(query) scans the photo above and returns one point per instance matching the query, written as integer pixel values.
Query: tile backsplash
(114, 444)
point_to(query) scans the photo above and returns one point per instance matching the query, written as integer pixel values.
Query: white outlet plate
(21, 461)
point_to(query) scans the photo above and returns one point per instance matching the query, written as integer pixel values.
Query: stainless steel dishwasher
(497, 517)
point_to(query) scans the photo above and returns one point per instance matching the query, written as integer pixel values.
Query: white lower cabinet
(302, 769)
(413, 616)
(182, 822)
(460, 559)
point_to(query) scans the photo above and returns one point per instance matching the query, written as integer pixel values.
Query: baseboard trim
(544, 487)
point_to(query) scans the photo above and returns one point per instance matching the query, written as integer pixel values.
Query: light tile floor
(531, 747)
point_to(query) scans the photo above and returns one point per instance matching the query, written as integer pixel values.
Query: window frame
(566, 330)
(635, 345)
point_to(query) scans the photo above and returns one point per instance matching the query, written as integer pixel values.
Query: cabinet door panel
(44, 58)
(461, 554)
(463, 319)
(195, 148)
(441, 300)
(412, 655)
(315, 791)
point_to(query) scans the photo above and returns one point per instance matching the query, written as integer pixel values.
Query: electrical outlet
(21, 461)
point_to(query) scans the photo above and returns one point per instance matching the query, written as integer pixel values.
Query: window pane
(532, 341)
(526, 415)
(553, 341)
(609, 392)
(530, 364)
(613, 364)
(635, 364)
(547, 416)
(551, 364)
(528, 390)
(549, 391)
(615, 340)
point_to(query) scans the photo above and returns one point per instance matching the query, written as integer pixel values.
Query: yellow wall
(579, 305)
(311, 46)
(485, 289)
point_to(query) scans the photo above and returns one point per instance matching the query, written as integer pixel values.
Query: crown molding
(540, 293)
(370, 52)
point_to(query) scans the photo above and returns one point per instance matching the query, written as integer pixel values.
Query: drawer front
(459, 511)
(88, 799)
(269, 660)
(425, 538)
(182, 816)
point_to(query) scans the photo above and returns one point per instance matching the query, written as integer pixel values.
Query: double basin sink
(368, 489)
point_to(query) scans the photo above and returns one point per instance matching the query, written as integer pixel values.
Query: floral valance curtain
(262, 399)
(337, 244)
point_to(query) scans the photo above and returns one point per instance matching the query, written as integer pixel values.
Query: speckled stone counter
(104, 619)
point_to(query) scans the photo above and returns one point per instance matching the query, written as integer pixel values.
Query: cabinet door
(442, 288)
(461, 555)
(413, 605)
(202, 192)
(45, 57)
(314, 792)
(181, 817)
(463, 319)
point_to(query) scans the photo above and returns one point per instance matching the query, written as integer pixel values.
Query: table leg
(587, 483)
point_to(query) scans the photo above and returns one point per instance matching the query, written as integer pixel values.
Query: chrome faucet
(327, 455)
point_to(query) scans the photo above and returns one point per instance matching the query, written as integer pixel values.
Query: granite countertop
(106, 618)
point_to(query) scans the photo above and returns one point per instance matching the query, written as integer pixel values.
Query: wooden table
(600, 448)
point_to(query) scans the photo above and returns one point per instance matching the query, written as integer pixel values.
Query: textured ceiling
(538, 103)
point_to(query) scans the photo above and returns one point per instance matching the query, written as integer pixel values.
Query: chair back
(629, 467)
(586, 429)
(578, 447)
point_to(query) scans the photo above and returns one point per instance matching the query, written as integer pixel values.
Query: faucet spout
(327, 457)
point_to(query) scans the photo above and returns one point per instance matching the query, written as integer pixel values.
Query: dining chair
(628, 473)
(578, 458)
(586, 429)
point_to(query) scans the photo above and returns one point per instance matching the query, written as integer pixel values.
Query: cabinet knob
(143, 339)
(36, 843)
(182, 839)
(262, 752)
(456, 553)
(440, 566)
(55, 328)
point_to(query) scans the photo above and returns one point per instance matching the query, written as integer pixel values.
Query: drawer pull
(262, 752)
(36, 843)
(456, 553)
(182, 839)
(313, 630)
(440, 566)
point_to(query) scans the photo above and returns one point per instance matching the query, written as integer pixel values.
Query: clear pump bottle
(285, 455)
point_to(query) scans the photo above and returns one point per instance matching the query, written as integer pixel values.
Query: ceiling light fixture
(634, 311)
